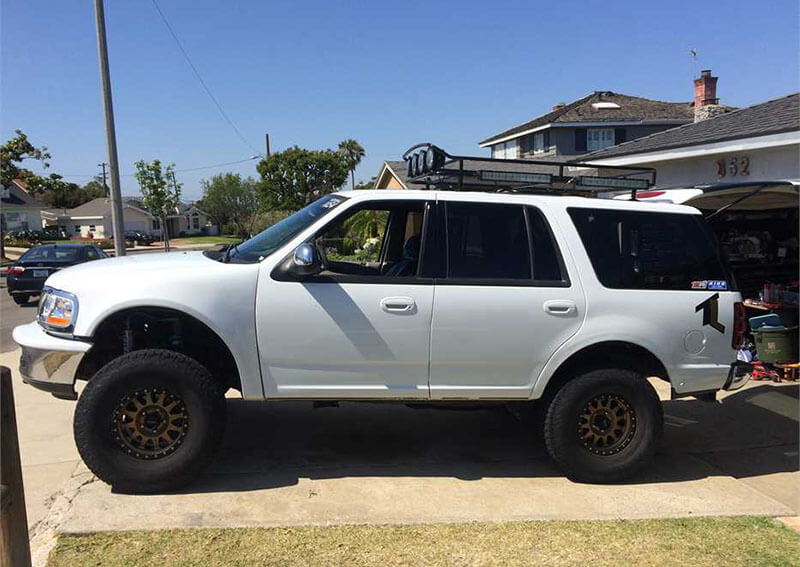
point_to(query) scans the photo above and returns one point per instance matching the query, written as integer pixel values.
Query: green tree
(232, 200)
(295, 177)
(12, 154)
(352, 152)
(160, 190)
(94, 189)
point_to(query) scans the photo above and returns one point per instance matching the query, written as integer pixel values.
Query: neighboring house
(94, 218)
(392, 175)
(20, 211)
(760, 142)
(596, 121)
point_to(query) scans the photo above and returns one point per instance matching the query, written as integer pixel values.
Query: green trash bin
(777, 344)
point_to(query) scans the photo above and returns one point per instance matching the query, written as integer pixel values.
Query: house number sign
(733, 166)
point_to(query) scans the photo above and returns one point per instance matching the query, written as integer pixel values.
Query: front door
(361, 328)
(504, 305)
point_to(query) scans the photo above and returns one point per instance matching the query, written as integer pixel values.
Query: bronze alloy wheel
(150, 423)
(606, 424)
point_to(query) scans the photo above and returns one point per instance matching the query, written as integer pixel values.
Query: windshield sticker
(702, 284)
(718, 285)
(332, 202)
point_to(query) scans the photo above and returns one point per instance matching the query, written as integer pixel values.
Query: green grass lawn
(696, 541)
(188, 240)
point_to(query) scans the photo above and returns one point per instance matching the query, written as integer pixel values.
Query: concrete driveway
(285, 464)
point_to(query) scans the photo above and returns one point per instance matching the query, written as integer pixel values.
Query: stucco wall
(770, 163)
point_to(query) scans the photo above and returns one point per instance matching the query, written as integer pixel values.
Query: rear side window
(643, 250)
(487, 241)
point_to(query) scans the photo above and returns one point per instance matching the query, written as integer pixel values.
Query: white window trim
(602, 135)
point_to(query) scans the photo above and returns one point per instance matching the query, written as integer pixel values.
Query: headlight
(57, 310)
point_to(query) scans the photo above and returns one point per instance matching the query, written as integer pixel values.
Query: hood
(141, 270)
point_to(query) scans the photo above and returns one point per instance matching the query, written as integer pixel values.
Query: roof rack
(431, 166)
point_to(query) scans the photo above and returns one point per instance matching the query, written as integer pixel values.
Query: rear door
(504, 301)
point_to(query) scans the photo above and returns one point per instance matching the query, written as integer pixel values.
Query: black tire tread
(556, 421)
(208, 388)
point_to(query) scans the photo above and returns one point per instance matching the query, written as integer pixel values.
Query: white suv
(421, 296)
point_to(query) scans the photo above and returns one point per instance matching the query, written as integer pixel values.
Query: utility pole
(105, 185)
(111, 135)
(266, 142)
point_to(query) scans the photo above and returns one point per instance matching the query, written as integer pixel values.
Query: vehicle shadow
(267, 445)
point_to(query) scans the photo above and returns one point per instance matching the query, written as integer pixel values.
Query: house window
(77, 229)
(156, 224)
(195, 222)
(506, 150)
(599, 138)
(538, 143)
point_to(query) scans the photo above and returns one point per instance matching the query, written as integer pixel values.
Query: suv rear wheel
(149, 421)
(604, 425)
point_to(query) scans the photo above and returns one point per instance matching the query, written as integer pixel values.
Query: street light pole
(111, 136)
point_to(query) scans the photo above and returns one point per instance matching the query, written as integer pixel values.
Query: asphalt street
(12, 315)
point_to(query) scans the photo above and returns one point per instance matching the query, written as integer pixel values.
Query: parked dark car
(26, 276)
(136, 237)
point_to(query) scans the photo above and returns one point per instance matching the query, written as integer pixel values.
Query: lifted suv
(407, 296)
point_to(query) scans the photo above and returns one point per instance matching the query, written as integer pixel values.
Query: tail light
(15, 270)
(739, 326)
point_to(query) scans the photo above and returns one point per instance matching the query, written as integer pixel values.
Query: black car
(137, 237)
(26, 276)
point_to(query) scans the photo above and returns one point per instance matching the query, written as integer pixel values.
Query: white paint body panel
(323, 341)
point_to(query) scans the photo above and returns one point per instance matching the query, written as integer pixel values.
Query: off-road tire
(95, 426)
(561, 426)
(21, 299)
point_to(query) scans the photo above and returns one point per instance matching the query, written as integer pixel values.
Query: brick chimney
(559, 106)
(705, 89)
(706, 103)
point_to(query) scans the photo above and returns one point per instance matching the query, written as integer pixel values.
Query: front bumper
(47, 362)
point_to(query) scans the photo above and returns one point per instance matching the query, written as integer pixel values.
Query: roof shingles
(771, 117)
(631, 109)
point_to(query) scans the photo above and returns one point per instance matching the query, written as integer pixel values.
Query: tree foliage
(160, 191)
(352, 152)
(19, 148)
(295, 177)
(232, 201)
(73, 195)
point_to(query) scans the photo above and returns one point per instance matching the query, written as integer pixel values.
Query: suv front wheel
(149, 421)
(604, 425)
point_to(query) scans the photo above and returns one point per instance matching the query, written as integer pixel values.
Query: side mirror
(306, 260)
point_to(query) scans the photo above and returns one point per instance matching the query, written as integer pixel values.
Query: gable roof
(399, 169)
(771, 117)
(102, 205)
(631, 109)
(18, 195)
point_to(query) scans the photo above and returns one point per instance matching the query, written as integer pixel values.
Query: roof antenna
(693, 55)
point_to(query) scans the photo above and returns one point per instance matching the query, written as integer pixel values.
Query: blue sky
(388, 74)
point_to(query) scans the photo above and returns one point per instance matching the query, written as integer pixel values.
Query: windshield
(267, 241)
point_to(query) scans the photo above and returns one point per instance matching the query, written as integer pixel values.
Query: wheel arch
(609, 354)
(194, 337)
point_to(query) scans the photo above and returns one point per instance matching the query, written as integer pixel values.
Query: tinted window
(54, 252)
(487, 241)
(635, 250)
(546, 259)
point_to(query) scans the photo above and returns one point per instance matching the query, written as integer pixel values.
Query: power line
(212, 166)
(200, 79)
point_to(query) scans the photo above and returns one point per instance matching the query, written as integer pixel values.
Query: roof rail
(431, 166)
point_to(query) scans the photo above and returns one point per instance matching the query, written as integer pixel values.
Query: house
(596, 121)
(20, 211)
(94, 218)
(760, 142)
(392, 175)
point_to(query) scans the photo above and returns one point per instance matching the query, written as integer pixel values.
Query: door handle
(560, 307)
(398, 304)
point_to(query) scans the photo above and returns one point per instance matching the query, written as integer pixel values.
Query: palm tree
(352, 152)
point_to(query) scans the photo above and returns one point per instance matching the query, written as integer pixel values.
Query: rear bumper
(738, 375)
(25, 285)
(49, 363)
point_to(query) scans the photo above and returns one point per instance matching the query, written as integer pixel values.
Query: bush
(105, 244)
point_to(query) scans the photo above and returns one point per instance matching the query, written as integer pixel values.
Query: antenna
(693, 55)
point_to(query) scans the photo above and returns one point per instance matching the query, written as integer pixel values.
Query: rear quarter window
(644, 250)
